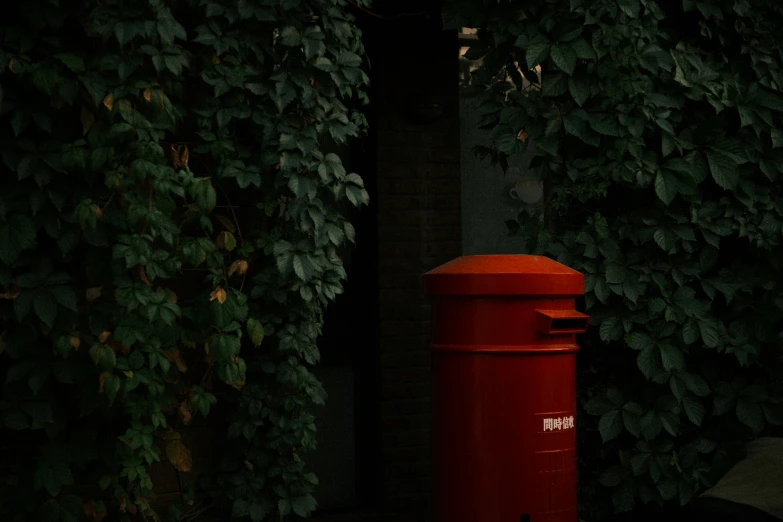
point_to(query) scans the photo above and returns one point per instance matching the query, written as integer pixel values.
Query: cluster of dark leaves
(656, 128)
(172, 221)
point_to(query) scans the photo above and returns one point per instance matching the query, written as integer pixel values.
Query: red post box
(504, 388)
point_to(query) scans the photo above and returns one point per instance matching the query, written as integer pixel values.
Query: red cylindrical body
(504, 396)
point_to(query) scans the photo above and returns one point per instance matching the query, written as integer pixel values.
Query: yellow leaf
(172, 297)
(10, 294)
(142, 275)
(88, 119)
(522, 136)
(108, 101)
(93, 293)
(148, 94)
(219, 294)
(91, 511)
(11, 64)
(215, 60)
(179, 455)
(184, 412)
(175, 356)
(103, 337)
(125, 105)
(102, 381)
(237, 267)
(226, 240)
(180, 155)
(75, 342)
(249, 465)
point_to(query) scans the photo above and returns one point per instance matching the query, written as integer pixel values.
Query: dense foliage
(657, 128)
(172, 220)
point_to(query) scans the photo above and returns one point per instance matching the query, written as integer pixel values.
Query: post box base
(505, 436)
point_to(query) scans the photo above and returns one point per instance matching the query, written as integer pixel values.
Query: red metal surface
(503, 275)
(504, 392)
(561, 321)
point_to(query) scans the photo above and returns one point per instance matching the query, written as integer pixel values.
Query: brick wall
(418, 205)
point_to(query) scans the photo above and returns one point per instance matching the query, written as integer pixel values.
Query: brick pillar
(415, 76)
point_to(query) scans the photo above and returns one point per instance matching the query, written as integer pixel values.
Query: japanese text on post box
(558, 423)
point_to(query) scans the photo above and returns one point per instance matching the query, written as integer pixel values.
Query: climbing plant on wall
(657, 128)
(172, 221)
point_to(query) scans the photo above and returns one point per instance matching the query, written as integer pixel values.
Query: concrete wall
(487, 201)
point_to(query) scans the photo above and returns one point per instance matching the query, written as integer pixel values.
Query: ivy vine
(656, 128)
(172, 225)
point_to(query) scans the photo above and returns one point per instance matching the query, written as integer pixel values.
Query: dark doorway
(347, 427)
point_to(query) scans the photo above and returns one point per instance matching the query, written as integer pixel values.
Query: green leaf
(661, 239)
(111, 387)
(16, 235)
(45, 307)
(671, 357)
(610, 425)
(256, 331)
(694, 409)
(678, 386)
(709, 332)
(665, 186)
(630, 7)
(611, 329)
(536, 53)
(649, 361)
(651, 425)
(169, 28)
(554, 84)
(564, 57)
(304, 506)
(290, 37)
(723, 169)
(579, 87)
(696, 384)
(615, 274)
(690, 332)
(632, 422)
(670, 422)
(583, 50)
(750, 414)
(349, 59)
(777, 138)
(73, 62)
(639, 341)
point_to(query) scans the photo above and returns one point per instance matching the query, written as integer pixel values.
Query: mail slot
(504, 388)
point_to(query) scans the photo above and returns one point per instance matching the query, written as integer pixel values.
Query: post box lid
(503, 275)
